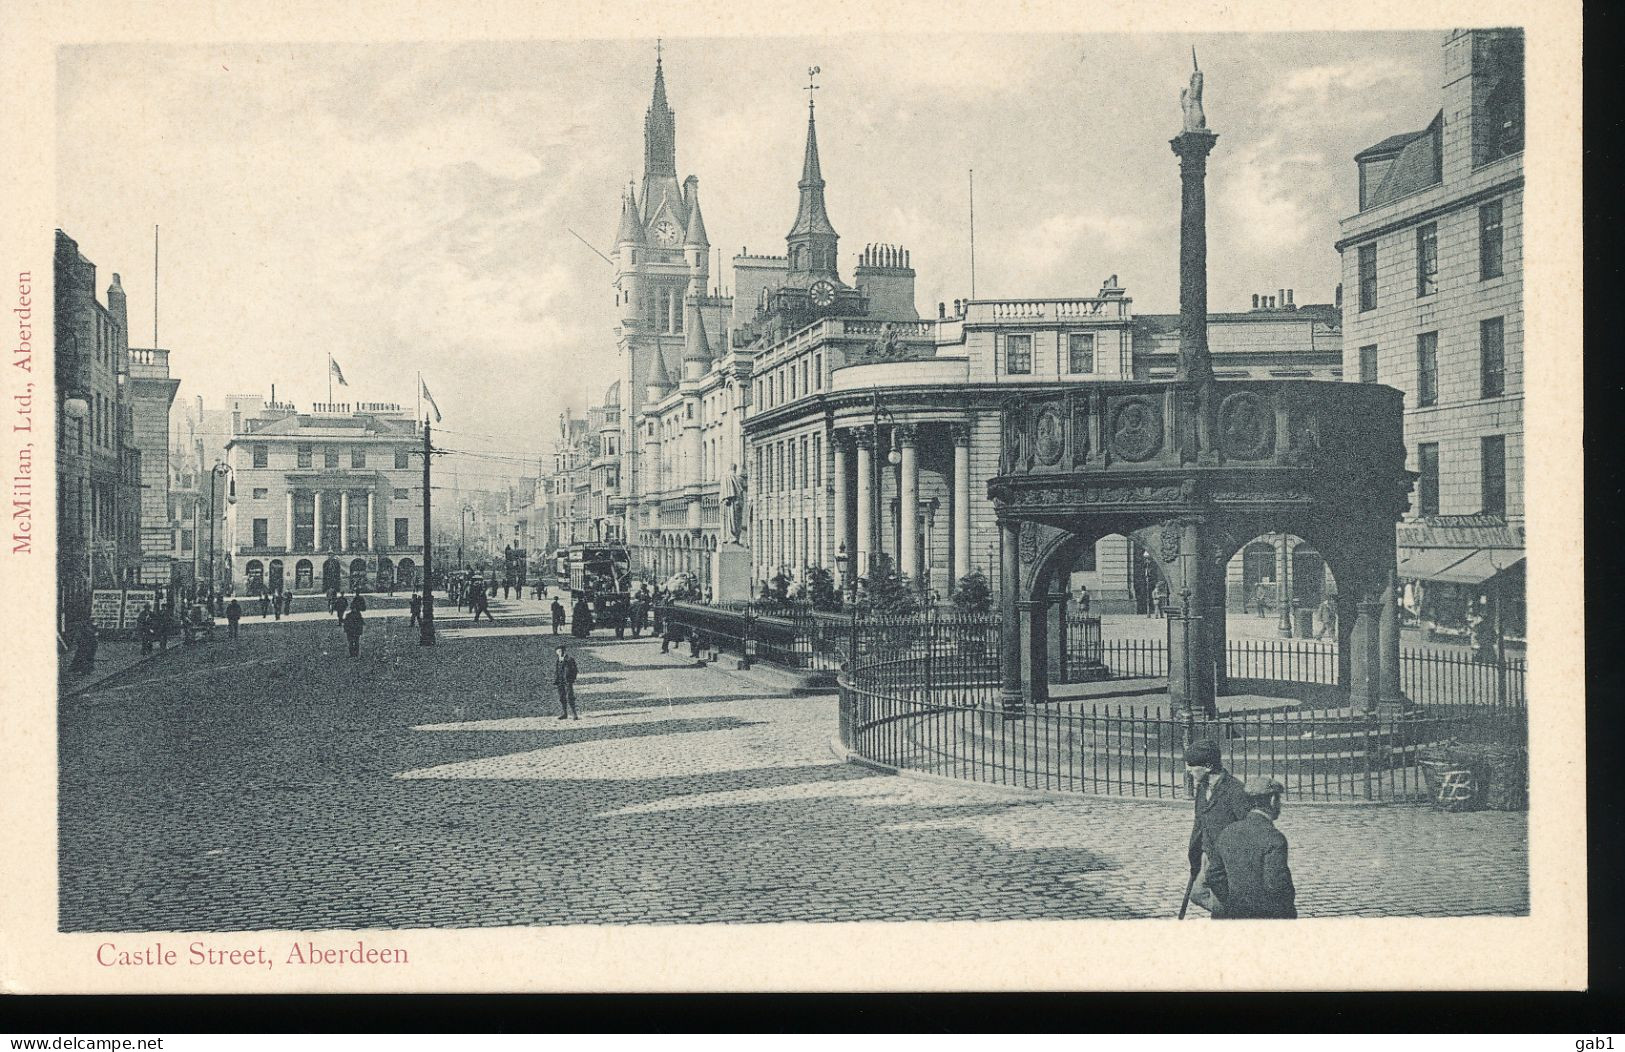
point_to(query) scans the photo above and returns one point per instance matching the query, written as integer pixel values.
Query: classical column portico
(866, 481)
(908, 505)
(961, 510)
(838, 483)
(316, 521)
(287, 527)
(1010, 611)
(344, 520)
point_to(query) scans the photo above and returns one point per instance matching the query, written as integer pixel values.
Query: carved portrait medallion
(1049, 443)
(1136, 429)
(1246, 426)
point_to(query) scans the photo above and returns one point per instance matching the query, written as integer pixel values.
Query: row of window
(303, 534)
(1492, 456)
(1491, 256)
(790, 380)
(791, 463)
(792, 544)
(264, 493)
(1018, 353)
(1492, 363)
(330, 457)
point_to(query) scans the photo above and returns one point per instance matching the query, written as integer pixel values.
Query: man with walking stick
(1220, 800)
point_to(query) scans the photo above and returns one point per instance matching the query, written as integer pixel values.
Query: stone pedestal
(730, 573)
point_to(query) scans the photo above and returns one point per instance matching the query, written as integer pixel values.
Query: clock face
(666, 232)
(823, 293)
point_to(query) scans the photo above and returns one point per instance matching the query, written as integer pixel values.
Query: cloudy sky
(408, 207)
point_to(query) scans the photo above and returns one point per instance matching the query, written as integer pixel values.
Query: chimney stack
(1255, 301)
(1337, 297)
(1289, 302)
(942, 311)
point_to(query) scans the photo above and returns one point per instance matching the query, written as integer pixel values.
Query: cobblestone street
(273, 782)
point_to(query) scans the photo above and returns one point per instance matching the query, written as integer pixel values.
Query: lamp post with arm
(216, 474)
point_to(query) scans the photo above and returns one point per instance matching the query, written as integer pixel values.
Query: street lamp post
(218, 472)
(893, 457)
(467, 510)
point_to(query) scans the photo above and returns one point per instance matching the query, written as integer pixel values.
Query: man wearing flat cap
(1249, 871)
(1219, 802)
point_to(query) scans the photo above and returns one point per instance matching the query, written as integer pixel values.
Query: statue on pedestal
(733, 503)
(1190, 99)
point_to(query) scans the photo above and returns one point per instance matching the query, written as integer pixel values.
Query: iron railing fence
(1083, 653)
(1139, 752)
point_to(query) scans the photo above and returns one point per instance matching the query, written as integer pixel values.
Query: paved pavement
(275, 782)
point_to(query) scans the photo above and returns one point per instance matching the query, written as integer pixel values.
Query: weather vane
(812, 71)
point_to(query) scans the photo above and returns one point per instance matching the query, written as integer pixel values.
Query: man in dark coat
(352, 631)
(359, 604)
(234, 614)
(417, 608)
(341, 604)
(1249, 871)
(482, 604)
(144, 630)
(564, 678)
(581, 619)
(1220, 800)
(558, 615)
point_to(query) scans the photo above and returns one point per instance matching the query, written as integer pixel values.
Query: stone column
(1191, 659)
(1391, 698)
(961, 553)
(1347, 614)
(372, 529)
(1216, 628)
(1010, 636)
(1193, 148)
(287, 539)
(866, 514)
(344, 520)
(1055, 630)
(316, 519)
(1033, 614)
(839, 538)
(908, 503)
(1365, 658)
(1283, 585)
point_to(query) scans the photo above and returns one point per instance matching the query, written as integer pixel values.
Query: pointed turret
(658, 384)
(695, 236)
(631, 230)
(697, 355)
(812, 238)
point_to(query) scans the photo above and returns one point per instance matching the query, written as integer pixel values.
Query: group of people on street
(1238, 859)
(275, 603)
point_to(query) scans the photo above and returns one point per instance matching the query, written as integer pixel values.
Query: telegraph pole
(426, 622)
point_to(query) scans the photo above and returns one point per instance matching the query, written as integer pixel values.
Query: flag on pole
(338, 374)
(427, 397)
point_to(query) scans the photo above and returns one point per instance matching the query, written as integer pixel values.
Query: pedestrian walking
(332, 600)
(352, 631)
(417, 608)
(558, 615)
(1249, 872)
(340, 604)
(505, 586)
(1326, 615)
(265, 605)
(84, 649)
(1083, 599)
(564, 678)
(234, 613)
(484, 605)
(1159, 599)
(1220, 800)
(143, 629)
(1261, 599)
(359, 603)
(163, 623)
(581, 619)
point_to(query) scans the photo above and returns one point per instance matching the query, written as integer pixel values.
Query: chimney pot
(1289, 302)
(1255, 301)
(942, 310)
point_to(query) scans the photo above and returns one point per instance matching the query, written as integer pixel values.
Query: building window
(1080, 352)
(1427, 481)
(1489, 241)
(1018, 354)
(330, 458)
(1427, 259)
(402, 494)
(358, 458)
(1492, 363)
(1368, 277)
(261, 492)
(186, 540)
(1427, 368)
(818, 372)
(818, 460)
(304, 456)
(1368, 364)
(262, 532)
(403, 459)
(1492, 451)
(261, 457)
(400, 533)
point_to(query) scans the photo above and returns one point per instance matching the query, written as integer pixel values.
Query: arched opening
(358, 575)
(274, 579)
(332, 579)
(254, 577)
(303, 575)
(386, 575)
(406, 573)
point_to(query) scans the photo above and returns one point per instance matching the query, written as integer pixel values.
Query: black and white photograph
(798, 481)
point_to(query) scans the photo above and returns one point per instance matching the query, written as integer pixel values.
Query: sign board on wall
(107, 607)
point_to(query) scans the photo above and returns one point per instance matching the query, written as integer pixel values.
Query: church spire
(812, 239)
(659, 129)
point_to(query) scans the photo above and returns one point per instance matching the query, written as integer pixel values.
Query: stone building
(1433, 259)
(99, 472)
(328, 499)
(151, 392)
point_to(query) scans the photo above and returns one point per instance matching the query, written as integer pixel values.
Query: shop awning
(1455, 565)
(1479, 566)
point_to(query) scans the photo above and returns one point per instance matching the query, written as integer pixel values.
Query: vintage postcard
(804, 497)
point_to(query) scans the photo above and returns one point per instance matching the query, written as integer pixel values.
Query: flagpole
(329, 377)
(420, 395)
